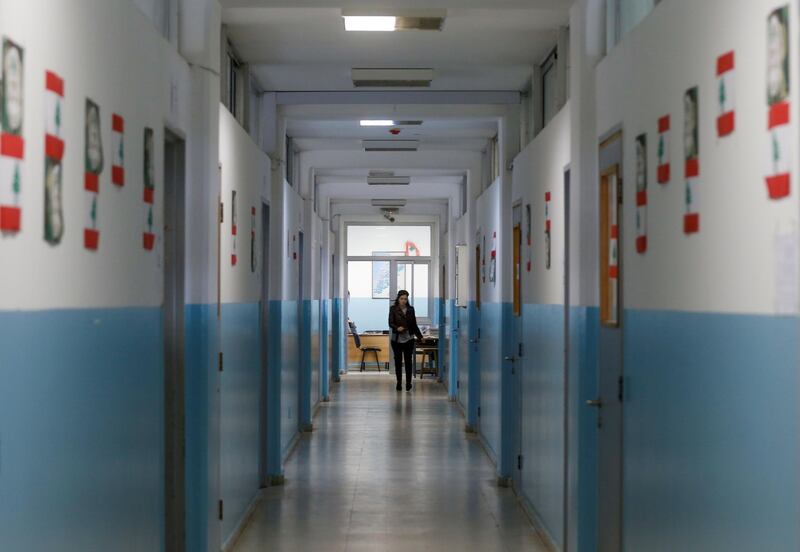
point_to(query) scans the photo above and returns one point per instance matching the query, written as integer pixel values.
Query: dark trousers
(403, 351)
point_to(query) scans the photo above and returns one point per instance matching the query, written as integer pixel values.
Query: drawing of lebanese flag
(726, 79)
(641, 221)
(91, 235)
(547, 197)
(53, 113)
(613, 256)
(117, 150)
(149, 237)
(663, 170)
(780, 151)
(691, 220)
(10, 188)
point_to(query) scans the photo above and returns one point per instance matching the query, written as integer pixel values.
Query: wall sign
(780, 148)
(726, 85)
(12, 143)
(149, 236)
(118, 150)
(234, 228)
(493, 260)
(93, 167)
(547, 229)
(691, 150)
(53, 155)
(528, 234)
(641, 193)
(663, 171)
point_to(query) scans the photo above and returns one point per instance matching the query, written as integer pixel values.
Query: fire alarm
(395, 131)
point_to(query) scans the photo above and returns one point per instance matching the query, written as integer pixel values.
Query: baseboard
(243, 523)
(291, 447)
(536, 521)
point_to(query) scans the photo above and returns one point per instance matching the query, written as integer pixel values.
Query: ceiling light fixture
(377, 123)
(370, 23)
(393, 20)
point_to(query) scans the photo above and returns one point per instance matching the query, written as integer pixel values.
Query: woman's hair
(400, 294)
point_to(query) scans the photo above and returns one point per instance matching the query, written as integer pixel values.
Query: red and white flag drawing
(613, 236)
(663, 170)
(12, 153)
(117, 150)
(691, 220)
(54, 111)
(780, 151)
(726, 85)
(641, 221)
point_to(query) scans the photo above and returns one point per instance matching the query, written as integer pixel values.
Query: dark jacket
(408, 321)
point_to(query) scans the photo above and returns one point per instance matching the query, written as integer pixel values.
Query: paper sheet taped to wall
(786, 271)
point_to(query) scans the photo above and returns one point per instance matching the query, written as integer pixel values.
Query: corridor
(388, 471)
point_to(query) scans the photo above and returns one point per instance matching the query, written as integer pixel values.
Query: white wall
(730, 266)
(246, 169)
(121, 272)
(537, 170)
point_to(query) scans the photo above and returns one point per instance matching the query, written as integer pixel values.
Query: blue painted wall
(201, 345)
(240, 400)
(542, 414)
(81, 430)
(325, 352)
(491, 355)
(337, 330)
(315, 356)
(453, 343)
(710, 432)
(289, 363)
(584, 329)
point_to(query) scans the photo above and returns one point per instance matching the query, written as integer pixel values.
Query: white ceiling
(301, 45)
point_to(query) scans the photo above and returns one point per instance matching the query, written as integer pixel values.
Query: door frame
(264, 327)
(173, 308)
(609, 401)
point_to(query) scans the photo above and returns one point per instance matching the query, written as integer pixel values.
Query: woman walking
(403, 322)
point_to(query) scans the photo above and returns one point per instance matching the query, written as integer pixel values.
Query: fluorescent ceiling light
(375, 23)
(377, 122)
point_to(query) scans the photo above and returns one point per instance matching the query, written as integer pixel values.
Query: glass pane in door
(420, 298)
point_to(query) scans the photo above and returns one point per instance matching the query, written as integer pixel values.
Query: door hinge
(519, 462)
(621, 389)
(479, 333)
(458, 384)
(479, 412)
(619, 192)
(221, 505)
(220, 361)
(221, 214)
(520, 352)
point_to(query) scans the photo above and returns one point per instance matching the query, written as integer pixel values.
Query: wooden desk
(369, 340)
(428, 348)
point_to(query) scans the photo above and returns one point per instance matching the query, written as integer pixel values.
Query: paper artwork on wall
(294, 247)
(93, 167)
(234, 228)
(493, 260)
(641, 193)
(252, 239)
(691, 150)
(483, 260)
(149, 190)
(528, 234)
(118, 150)
(726, 86)
(547, 230)
(12, 143)
(53, 156)
(663, 170)
(780, 148)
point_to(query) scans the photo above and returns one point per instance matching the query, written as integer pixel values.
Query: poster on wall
(493, 260)
(483, 260)
(93, 167)
(528, 234)
(12, 143)
(118, 150)
(149, 194)
(252, 239)
(780, 148)
(641, 193)
(691, 150)
(547, 229)
(663, 170)
(726, 86)
(234, 227)
(54, 153)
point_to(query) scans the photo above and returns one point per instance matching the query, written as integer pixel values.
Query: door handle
(473, 340)
(597, 403)
(511, 358)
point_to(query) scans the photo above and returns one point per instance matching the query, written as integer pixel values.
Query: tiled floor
(388, 471)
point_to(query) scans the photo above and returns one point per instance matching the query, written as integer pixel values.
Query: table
(428, 347)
